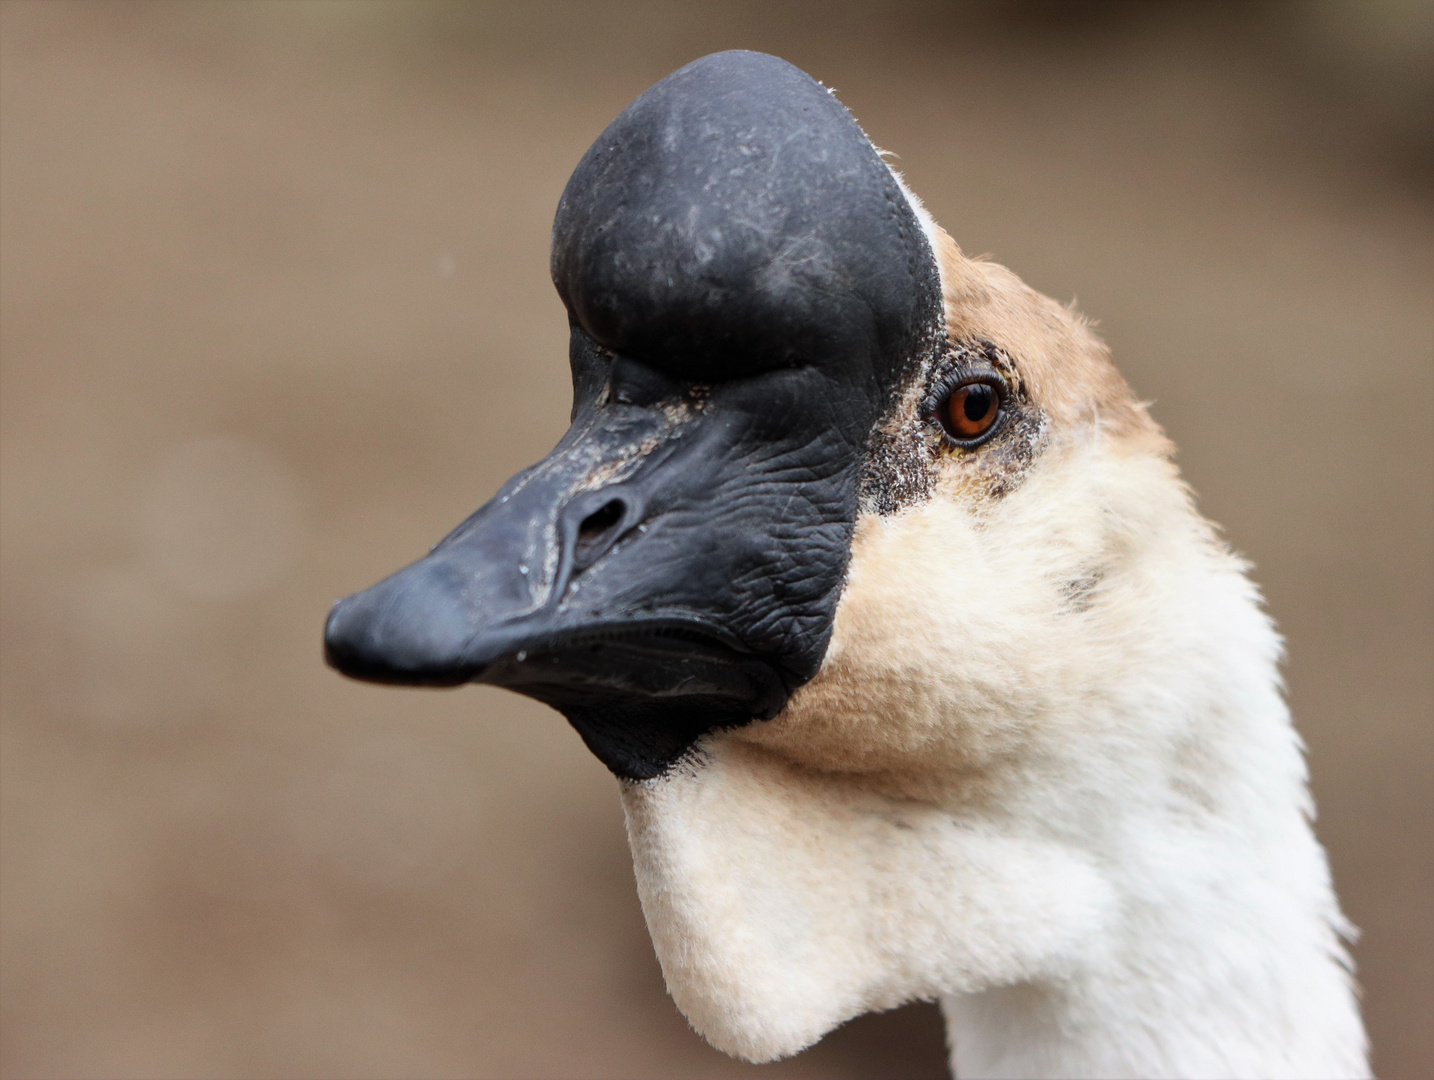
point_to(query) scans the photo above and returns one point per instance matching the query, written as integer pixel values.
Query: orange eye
(971, 411)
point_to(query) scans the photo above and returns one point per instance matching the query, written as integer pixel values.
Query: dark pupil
(978, 402)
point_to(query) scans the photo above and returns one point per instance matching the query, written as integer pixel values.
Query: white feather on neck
(1085, 831)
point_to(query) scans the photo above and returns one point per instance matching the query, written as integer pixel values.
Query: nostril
(595, 532)
(602, 519)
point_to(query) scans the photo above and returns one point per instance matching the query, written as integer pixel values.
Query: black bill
(748, 291)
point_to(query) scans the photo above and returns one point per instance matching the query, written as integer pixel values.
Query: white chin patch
(783, 902)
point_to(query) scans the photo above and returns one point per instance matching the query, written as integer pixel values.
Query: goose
(868, 577)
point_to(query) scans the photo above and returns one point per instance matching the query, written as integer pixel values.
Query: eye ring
(972, 410)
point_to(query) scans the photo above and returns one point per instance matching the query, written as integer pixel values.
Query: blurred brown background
(276, 315)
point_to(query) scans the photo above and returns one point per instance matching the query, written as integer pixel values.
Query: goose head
(863, 570)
